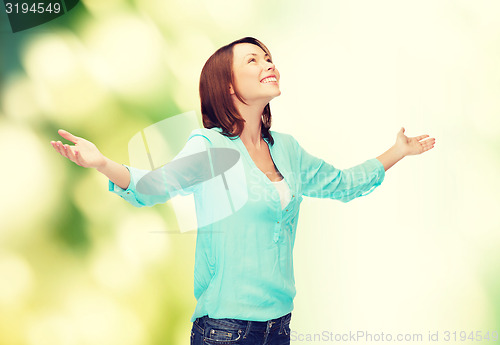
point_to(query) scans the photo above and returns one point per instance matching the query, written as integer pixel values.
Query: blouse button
(278, 222)
(286, 210)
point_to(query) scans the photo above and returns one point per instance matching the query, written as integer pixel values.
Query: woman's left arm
(405, 146)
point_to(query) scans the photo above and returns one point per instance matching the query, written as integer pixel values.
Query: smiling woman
(242, 63)
(243, 276)
(253, 68)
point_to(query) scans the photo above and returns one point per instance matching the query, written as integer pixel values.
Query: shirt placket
(281, 213)
(278, 224)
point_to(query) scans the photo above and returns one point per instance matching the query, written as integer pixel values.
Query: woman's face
(255, 77)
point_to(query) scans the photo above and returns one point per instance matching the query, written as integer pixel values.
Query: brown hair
(217, 107)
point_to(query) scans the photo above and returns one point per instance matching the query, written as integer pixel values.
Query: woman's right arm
(85, 154)
(182, 176)
(117, 173)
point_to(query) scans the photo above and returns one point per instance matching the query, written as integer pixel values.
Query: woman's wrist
(399, 152)
(116, 172)
(102, 167)
(390, 157)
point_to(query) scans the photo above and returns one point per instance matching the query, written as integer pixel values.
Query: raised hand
(414, 145)
(84, 153)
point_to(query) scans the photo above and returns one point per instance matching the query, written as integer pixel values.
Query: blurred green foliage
(79, 266)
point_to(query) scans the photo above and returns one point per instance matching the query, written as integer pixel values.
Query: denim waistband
(247, 324)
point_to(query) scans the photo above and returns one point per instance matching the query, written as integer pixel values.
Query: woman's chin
(277, 94)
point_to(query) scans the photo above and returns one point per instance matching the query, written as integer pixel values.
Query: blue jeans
(208, 331)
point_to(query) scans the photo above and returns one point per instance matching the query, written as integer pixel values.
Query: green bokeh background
(78, 265)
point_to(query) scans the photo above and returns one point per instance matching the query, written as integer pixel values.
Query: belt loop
(201, 322)
(247, 329)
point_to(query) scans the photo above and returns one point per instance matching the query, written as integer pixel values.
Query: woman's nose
(270, 66)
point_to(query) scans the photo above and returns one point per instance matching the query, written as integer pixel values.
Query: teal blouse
(245, 239)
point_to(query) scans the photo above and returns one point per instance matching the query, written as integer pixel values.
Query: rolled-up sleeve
(131, 194)
(320, 179)
(179, 177)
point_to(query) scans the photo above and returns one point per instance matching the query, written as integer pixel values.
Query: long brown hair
(217, 107)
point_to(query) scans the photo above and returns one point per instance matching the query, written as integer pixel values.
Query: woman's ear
(231, 89)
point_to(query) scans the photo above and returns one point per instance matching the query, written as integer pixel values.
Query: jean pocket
(286, 325)
(286, 328)
(220, 336)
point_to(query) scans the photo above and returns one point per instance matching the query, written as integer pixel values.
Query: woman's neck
(252, 114)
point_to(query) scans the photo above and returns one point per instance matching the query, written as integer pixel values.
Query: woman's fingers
(420, 137)
(57, 147)
(430, 141)
(65, 150)
(60, 148)
(78, 158)
(67, 135)
(428, 144)
(71, 154)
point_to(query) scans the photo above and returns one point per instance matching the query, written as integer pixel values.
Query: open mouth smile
(269, 80)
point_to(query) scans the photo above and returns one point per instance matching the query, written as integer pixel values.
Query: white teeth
(269, 79)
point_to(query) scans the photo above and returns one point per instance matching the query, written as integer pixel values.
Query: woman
(244, 282)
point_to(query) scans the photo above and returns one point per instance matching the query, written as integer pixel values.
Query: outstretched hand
(414, 145)
(84, 153)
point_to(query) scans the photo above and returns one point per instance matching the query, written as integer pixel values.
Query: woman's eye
(254, 60)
